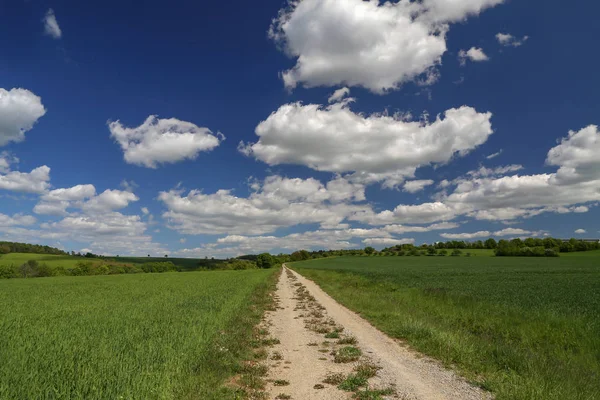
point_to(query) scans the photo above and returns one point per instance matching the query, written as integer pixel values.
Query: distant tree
(431, 251)
(265, 260)
(300, 255)
(517, 242)
(369, 250)
(490, 243)
(443, 252)
(456, 253)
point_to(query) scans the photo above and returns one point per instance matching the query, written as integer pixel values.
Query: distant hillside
(13, 247)
(186, 264)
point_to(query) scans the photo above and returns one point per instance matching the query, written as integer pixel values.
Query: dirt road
(322, 342)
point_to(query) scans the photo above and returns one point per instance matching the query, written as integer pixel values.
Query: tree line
(14, 247)
(36, 269)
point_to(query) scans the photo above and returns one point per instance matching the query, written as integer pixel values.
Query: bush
(456, 253)
(9, 271)
(166, 266)
(29, 269)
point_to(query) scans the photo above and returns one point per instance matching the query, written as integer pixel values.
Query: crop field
(50, 259)
(523, 328)
(71, 261)
(144, 336)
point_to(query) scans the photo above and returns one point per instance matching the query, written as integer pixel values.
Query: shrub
(29, 269)
(166, 266)
(456, 253)
(9, 271)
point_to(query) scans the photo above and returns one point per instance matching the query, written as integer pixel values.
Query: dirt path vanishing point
(305, 358)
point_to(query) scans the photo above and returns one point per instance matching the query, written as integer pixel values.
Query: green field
(71, 261)
(524, 328)
(50, 259)
(144, 336)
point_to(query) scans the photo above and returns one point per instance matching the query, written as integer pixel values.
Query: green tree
(490, 243)
(369, 250)
(265, 260)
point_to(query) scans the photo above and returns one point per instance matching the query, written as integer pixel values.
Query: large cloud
(484, 195)
(16, 220)
(366, 43)
(36, 181)
(416, 214)
(159, 141)
(374, 147)
(277, 202)
(19, 111)
(576, 181)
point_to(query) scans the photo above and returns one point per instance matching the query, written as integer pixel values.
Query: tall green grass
(174, 336)
(523, 328)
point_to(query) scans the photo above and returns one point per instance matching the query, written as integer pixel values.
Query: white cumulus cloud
(19, 111)
(417, 185)
(36, 181)
(580, 231)
(277, 202)
(158, 141)
(375, 147)
(474, 54)
(506, 39)
(376, 45)
(16, 220)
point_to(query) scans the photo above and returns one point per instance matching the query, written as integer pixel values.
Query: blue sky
(223, 128)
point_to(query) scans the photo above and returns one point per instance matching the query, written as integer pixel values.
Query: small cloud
(417, 185)
(494, 155)
(145, 210)
(339, 95)
(130, 186)
(182, 240)
(51, 27)
(506, 39)
(580, 231)
(474, 54)
(460, 81)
